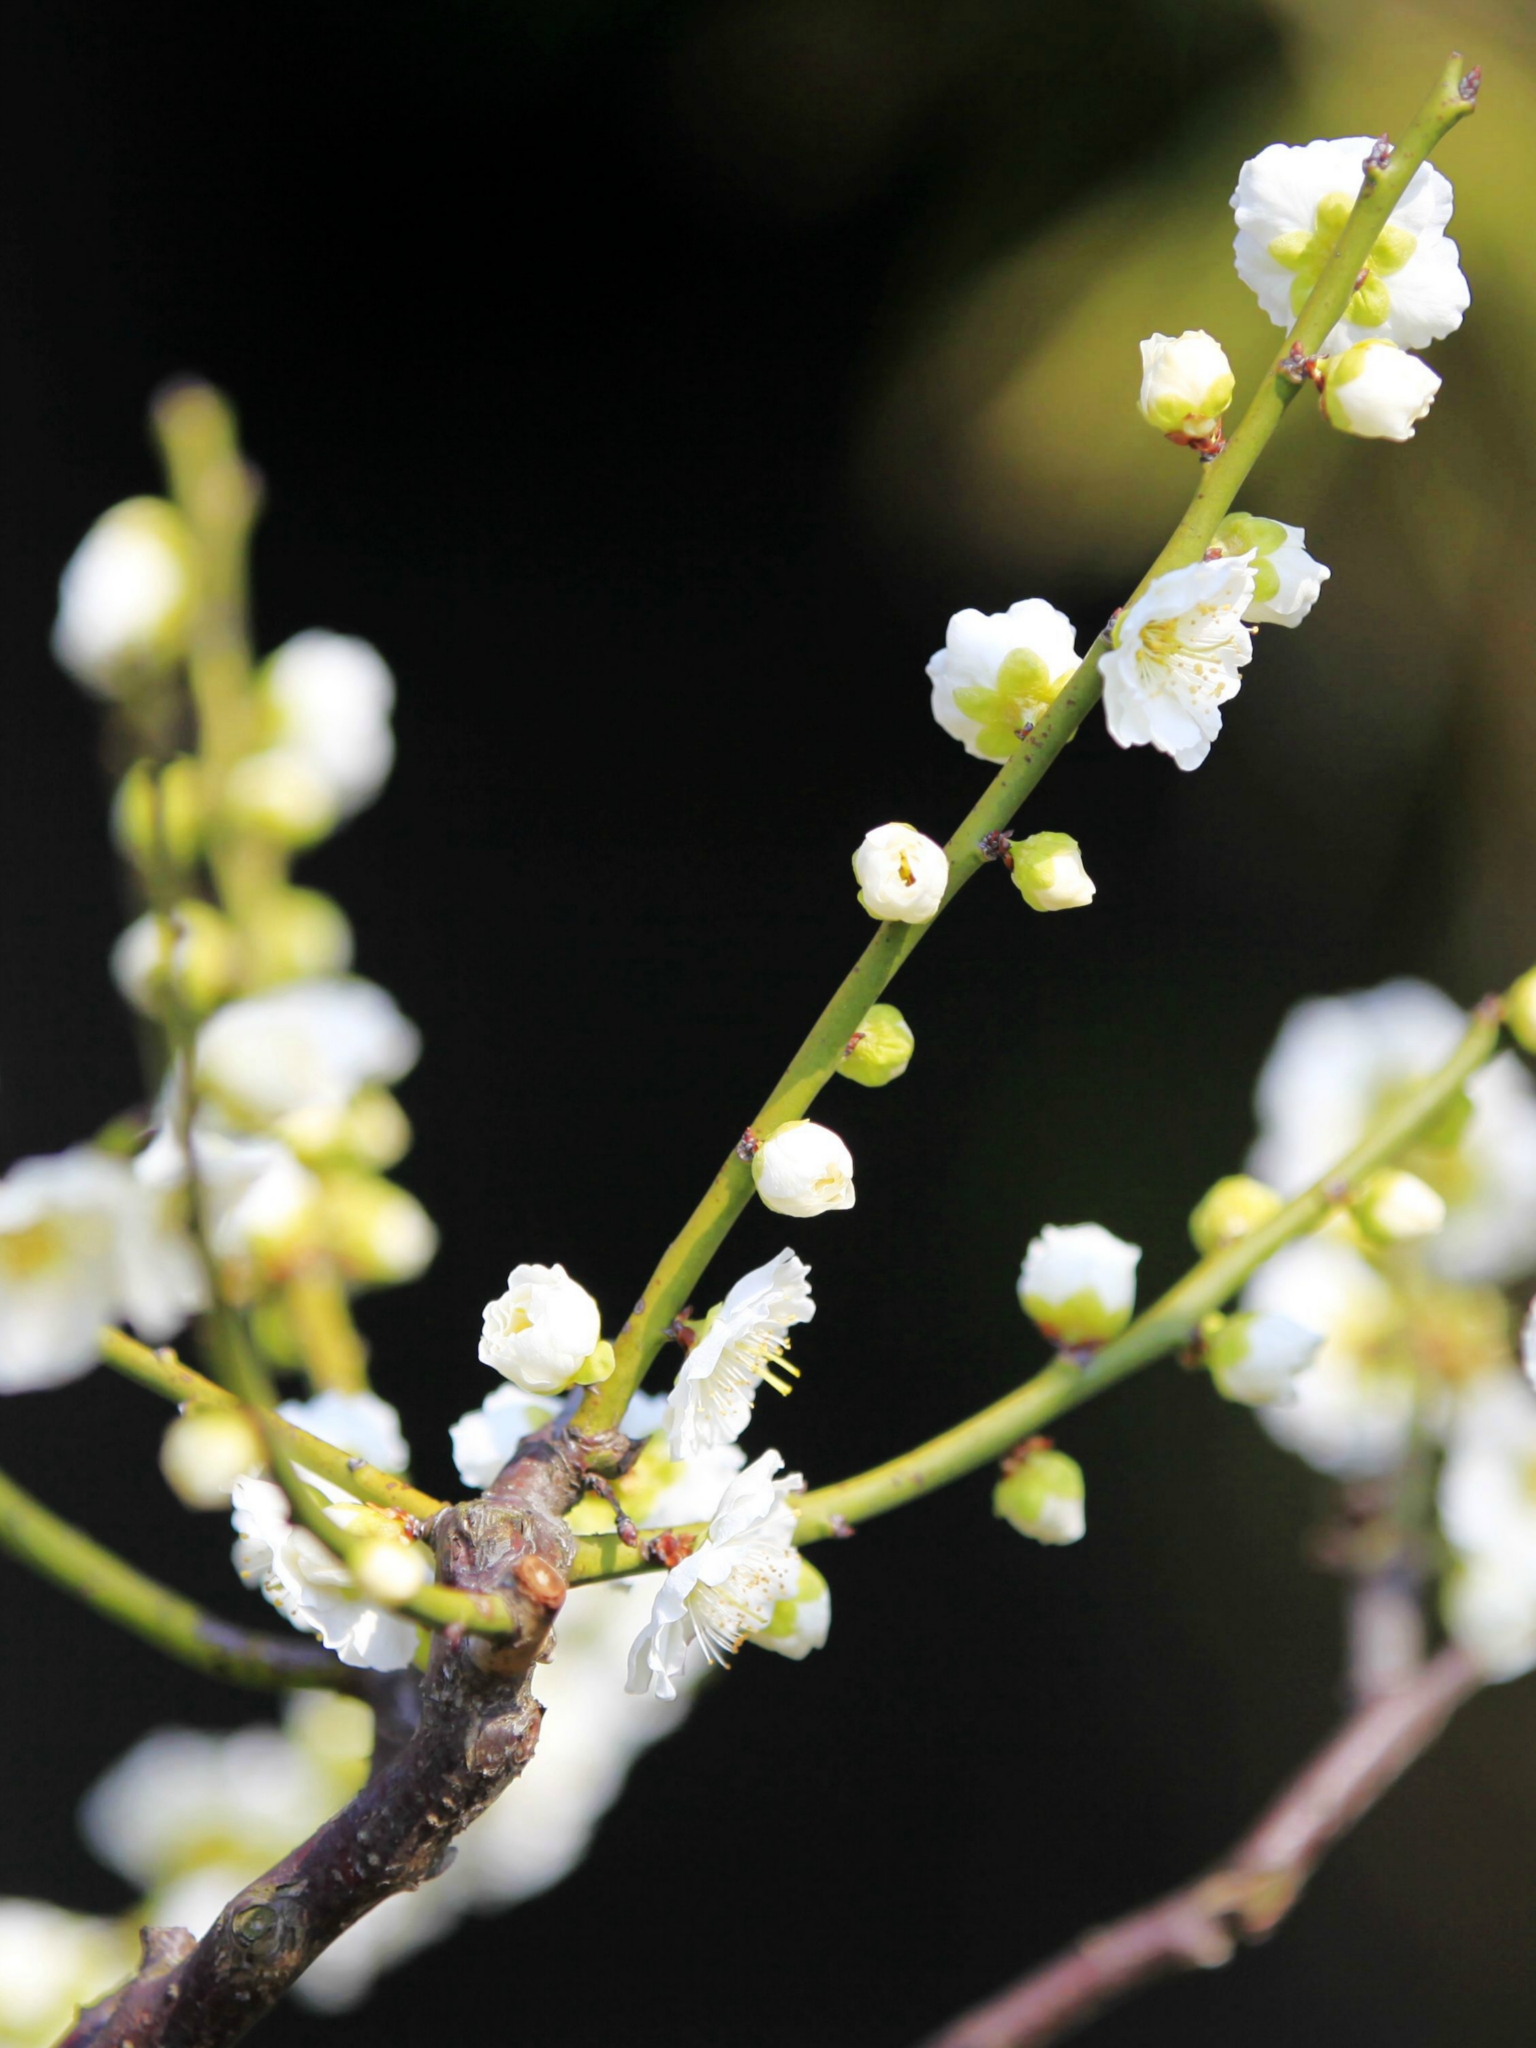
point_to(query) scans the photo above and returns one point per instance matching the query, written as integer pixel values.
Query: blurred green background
(651, 383)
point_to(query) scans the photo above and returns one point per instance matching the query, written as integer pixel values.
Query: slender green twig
(112, 1587)
(819, 1056)
(163, 1373)
(1164, 1327)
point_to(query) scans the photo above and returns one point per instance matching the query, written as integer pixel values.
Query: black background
(554, 381)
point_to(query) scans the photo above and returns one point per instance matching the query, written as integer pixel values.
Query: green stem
(1164, 1327)
(818, 1058)
(163, 1373)
(111, 1587)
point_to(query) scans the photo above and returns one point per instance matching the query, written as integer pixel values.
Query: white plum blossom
(1377, 392)
(802, 1621)
(362, 1424)
(124, 596)
(1254, 1359)
(310, 1586)
(998, 673)
(1287, 582)
(83, 1243)
(1340, 1061)
(727, 1589)
(901, 875)
(257, 1200)
(1290, 207)
(1395, 1207)
(1528, 1344)
(1176, 658)
(308, 1044)
(1488, 1604)
(194, 951)
(1186, 384)
(743, 1344)
(1356, 1405)
(542, 1332)
(51, 1963)
(1078, 1283)
(803, 1169)
(1487, 1509)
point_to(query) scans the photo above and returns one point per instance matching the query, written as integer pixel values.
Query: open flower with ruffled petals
(311, 1587)
(1291, 205)
(727, 1590)
(743, 1344)
(1176, 658)
(83, 1243)
(998, 673)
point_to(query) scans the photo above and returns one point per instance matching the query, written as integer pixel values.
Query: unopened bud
(881, 1049)
(390, 1571)
(294, 935)
(1048, 872)
(1043, 1497)
(1377, 390)
(1394, 1206)
(1254, 1359)
(376, 1231)
(125, 598)
(280, 794)
(157, 817)
(1229, 1210)
(799, 1624)
(371, 1130)
(192, 952)
(204, 1452)
(1078, 1283)
(803, 1169)
(1520, 1012)
(902, 874)
(1186, 384)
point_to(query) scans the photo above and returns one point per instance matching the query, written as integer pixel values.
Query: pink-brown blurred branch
(1245, 1898)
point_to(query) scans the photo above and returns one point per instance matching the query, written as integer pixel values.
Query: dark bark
(478, 1726)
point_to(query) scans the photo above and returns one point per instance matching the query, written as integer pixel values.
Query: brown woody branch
(478, 1727)
(1202, 1925)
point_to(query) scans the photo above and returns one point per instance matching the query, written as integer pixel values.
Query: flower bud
(1048, 872)
(391, 1571)
(1254, 1359)
(205, 1451)
(1078, 1283)
(1287, 582)
(881, 1049)
(801, 1623)
(1377, 391)
(1042, 1496)
(1186, 384)
(901, 875)
(803, 1169)
(542, 1331)
(194, 953)
(294, 935)
(1229, 1210)
(281, 795)
(1520, 1012)
(1394, 1206)
(377, 1232)
(371, 1130)
(159, 817)
(125, 598)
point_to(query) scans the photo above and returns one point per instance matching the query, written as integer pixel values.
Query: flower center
(1177, 654)
(1307, 253)
(1022, 691)
(26, 1253)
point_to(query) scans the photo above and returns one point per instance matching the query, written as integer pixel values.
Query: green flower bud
(1229, 1210)
(1048, 872)
(881, 1049)
(157, 817)
(1043, 1496)
(193, 953)
(376, 1231)
(293, 935)
(1520, 1012)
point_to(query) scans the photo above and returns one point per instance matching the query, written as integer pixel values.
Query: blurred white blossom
(1254, 1359)
(303, 1045)
(83, 1243)
(309, 1585)
(51, 1962)
(124, 596)
(1340, 1061)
